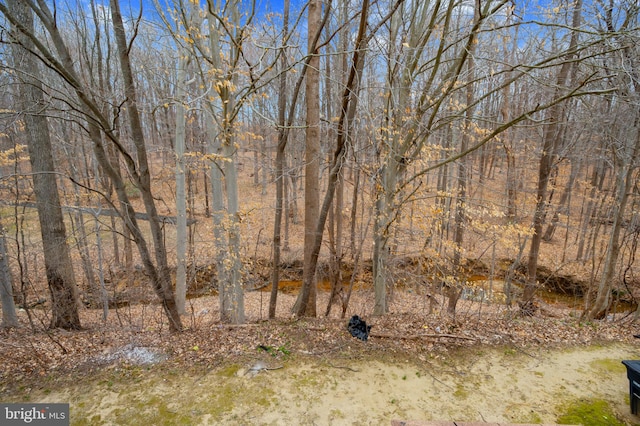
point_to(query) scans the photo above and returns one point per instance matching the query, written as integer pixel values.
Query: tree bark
(181, 201)
(306, 303)
(347, 115)
(159, 273)
(57, 259)
(9, 316)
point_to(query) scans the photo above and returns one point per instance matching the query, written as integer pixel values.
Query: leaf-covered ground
(408, 331)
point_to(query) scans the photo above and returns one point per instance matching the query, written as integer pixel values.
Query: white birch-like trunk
(226, 221)
(181, 201)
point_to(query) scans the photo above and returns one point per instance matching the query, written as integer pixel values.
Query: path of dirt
(492, 384)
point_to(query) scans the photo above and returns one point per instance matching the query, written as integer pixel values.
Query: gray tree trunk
(181, 201)
(9, 316)
(159, 273)
(306, 303)
(347, 115)
(283, 135)
(227, 222)
(462, 178)
(58, 266)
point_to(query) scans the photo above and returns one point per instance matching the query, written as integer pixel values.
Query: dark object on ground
(637, 336)
(633, 374)
(359, 328)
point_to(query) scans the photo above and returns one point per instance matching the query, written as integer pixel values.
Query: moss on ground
(588, 412)
(610, 366)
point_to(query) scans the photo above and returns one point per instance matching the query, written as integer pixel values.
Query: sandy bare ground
(489, 384)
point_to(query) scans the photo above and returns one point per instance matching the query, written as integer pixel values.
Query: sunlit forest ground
(492, 246)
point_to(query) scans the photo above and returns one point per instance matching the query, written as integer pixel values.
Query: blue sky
(132, 7)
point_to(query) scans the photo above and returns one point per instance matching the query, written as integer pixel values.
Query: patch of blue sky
(132, 8)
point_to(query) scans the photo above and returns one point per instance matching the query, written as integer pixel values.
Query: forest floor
(487, 364)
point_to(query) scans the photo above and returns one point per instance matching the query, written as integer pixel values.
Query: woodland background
(152, 152)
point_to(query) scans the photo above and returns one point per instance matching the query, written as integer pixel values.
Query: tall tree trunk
(454, 291)
(231, 291)
(280, 163)
(386, 180)
(57, 259)
(217, 206)
(181, 201)
(158, 273)
(226, 222)
(306, 303)
(336, 218)
(347, 115)
(551, 136)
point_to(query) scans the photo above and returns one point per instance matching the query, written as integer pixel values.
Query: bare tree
(181, 201)
(345, 121)
(551, 143)
(59, 269)
(404, 135)
(283, 136)
(162, 279)
(454, 289)
(306, 302)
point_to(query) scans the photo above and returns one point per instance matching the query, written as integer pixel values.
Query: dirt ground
(490, 384)
(487, 364)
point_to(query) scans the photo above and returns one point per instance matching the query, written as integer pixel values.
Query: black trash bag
(359, 328)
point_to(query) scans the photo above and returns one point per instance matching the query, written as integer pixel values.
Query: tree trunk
(9, 316)
(159, 273)
(231, 291)
(551, 136)
(454, 291)
(181, 202)
(280, 163)
(306, 303)
(217, 207)
(57, 259)
(336, 219)
(347, 114)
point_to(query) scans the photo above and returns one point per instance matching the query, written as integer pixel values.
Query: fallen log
(420, 336)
